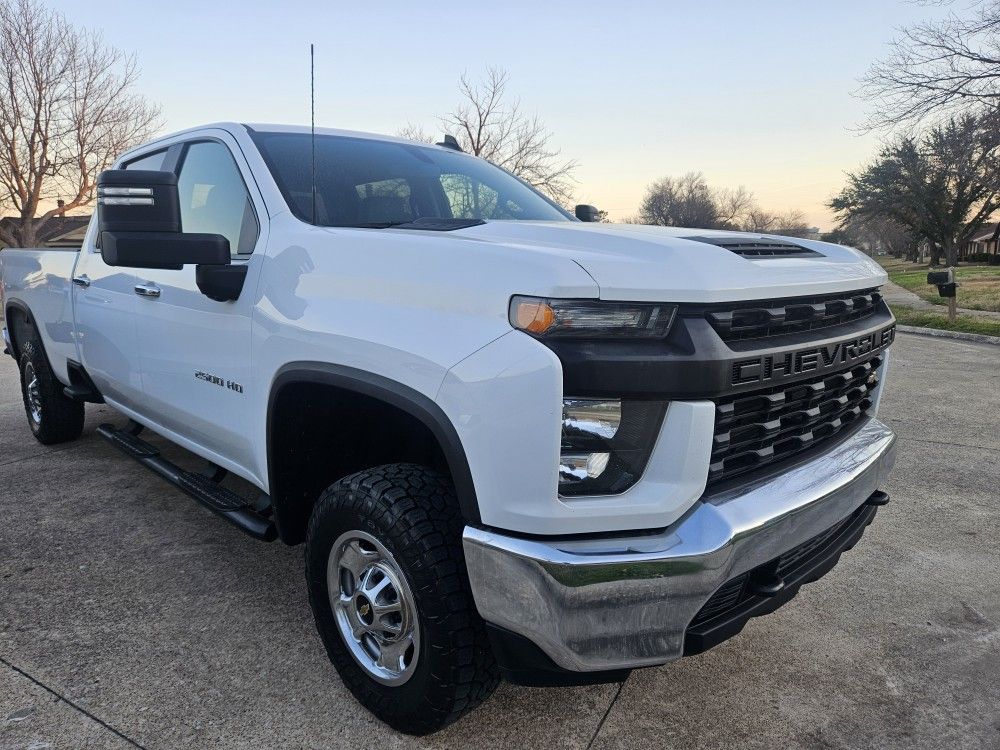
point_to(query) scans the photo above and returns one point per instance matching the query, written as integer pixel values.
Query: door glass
(152, 162)
(213, 197)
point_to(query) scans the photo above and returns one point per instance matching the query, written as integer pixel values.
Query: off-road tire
(413, 512)
(59, 419)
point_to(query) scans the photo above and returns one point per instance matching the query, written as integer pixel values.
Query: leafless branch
(935, 70)
(68, 107)
(491, 124)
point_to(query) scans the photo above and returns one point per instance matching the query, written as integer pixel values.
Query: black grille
(759, 428)
(733, 593)
(737, 592)
(772, 317)
(752, 248)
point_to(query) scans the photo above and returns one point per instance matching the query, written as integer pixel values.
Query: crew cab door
(104, 321)
(194, 352)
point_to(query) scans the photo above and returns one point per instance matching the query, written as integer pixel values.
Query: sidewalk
(897, 295)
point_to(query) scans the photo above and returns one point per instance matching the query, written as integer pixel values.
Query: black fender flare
(16, 304)
(392, 392)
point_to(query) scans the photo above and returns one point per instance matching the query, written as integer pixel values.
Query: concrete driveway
(131, 617)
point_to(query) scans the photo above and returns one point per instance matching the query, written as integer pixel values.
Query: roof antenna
(312, 125)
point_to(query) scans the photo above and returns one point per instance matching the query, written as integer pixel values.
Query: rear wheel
(391, 599)
(52, 417)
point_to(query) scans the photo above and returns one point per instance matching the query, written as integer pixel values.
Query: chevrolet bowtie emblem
(364, 610)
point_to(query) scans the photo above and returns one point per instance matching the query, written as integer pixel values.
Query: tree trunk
(950, 252)
(24, 233)
(935, 254)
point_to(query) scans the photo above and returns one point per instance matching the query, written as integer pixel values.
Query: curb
(937, 333)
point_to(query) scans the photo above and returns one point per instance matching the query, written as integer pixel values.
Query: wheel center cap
(364, 608)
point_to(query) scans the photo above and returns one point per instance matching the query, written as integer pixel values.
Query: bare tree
(756, 219)
(415, 133)
(937, 69)
(874, 235)
(491, 124)
(685, 201)
(67, 108)
(791, 224)
(689, 201)
(733, 206)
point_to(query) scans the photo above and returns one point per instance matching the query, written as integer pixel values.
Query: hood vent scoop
(759, 249)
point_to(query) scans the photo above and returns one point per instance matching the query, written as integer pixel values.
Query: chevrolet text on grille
(773, 367)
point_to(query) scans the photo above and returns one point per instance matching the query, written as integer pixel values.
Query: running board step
(226, 503)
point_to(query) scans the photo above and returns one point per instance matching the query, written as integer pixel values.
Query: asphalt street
(131, 617)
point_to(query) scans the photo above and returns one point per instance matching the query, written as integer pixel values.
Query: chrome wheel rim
(34, 394)
(374, 608)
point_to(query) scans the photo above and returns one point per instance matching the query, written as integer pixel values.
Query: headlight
(581, 318)
(606, 444)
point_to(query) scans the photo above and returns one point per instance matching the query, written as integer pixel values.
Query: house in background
(985, 241)
(59, 231)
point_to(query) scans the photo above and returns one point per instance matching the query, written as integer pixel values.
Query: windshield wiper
(425, 223)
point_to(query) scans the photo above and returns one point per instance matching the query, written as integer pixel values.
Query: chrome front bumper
(623, 602)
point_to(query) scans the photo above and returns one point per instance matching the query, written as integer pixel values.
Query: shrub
(992, 259)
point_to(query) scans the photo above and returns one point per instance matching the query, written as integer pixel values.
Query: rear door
(194, 352)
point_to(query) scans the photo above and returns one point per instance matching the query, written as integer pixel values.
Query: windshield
(364, 182)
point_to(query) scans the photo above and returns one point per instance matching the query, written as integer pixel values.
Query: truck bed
(39, 279)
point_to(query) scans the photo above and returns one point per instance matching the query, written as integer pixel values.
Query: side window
(214, 198)
(152, 162)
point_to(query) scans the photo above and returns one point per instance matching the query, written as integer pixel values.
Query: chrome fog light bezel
(605, 444)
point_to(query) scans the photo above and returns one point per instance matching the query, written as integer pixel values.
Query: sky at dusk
(750, 93)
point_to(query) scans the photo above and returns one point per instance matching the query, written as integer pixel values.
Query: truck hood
(646, 263)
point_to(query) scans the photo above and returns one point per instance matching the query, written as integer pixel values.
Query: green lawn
(909, 317)
(978, 286)
(895, 265)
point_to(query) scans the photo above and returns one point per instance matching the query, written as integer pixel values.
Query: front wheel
(52, 417)
(391, 598)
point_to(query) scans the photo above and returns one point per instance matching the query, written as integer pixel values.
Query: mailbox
(947, 290)
(941, 277)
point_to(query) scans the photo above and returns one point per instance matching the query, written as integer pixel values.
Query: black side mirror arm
(221, 283)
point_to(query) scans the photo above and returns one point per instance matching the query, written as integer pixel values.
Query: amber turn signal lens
(590, 318)
(533, 315)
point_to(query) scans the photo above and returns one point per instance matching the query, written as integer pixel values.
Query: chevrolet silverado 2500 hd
(514, 443)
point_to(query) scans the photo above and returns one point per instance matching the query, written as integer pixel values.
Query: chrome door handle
(147, 290)
(82, 280)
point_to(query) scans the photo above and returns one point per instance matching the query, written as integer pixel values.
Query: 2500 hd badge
(216, 380)
(814, 359)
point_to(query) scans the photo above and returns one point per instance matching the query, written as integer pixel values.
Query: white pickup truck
(514, 443)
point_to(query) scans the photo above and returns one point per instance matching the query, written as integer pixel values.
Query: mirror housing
(585, 212)
(138, 201)
(139, 224)
(167, 251)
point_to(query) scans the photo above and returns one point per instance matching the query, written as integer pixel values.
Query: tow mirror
(587, 213)
(139, 224)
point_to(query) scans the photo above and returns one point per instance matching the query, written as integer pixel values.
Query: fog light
(574, 467)
(605, 443)
(590, 417)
